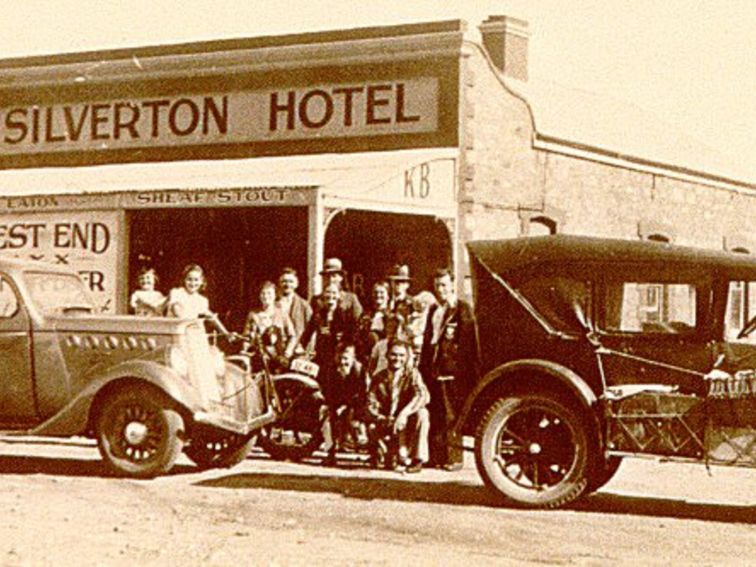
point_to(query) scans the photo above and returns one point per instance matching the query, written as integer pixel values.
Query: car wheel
(602, 473)
(138, 434)
(533, 451)
(298, 431)
(220, 452)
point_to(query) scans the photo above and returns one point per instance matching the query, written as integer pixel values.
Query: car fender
(507, 374)
(73, 418)
(301, 378)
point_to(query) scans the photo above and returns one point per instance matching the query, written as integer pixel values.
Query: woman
(187, 302)
(372, 325)
(273, 326)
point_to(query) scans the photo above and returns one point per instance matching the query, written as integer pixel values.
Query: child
(187, 302)
(147, 301)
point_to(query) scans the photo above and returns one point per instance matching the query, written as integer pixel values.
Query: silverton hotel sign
(378, 108)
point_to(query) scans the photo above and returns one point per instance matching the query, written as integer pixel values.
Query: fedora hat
(400, 273)
(332, 266)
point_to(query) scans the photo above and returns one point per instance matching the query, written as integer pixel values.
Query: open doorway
(370, 243)
(238, 249)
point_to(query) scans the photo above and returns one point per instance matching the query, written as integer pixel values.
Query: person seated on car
(187, 301)
(147, 301)
(398, 423)
(344, 392)
(274, 327)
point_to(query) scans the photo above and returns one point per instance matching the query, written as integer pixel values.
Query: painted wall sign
(380, 108)
(84, 242)
(241, 197)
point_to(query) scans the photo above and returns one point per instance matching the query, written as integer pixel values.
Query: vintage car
(145, 389)
(594, 350)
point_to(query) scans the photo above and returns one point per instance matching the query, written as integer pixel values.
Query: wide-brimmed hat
(400, 273)
(332, 266)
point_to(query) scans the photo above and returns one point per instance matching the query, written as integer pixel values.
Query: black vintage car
(596, 349)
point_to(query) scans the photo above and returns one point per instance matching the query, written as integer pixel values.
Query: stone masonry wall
(505, 181)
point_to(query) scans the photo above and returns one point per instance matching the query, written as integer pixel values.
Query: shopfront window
(650, 307)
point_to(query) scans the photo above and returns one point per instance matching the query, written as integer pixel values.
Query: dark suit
(300, 313)
(450, 368)
(348, 302)
(328, 328)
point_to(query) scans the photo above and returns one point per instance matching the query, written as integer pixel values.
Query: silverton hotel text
(408, 106)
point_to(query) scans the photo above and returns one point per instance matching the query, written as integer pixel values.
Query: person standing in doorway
(333, 273)
(372, 326)
(449, 364)
(291, 303)
(401, 300)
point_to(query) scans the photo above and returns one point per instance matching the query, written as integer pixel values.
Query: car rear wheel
(533, 451)
(138, 433)
(603, 472)
(220, 451)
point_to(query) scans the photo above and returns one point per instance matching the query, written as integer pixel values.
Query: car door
(655, 329)
(17, 399)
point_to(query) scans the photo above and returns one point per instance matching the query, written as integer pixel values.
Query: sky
(690, 62)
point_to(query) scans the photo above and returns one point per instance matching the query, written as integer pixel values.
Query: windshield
(58, 294)
(740, 321)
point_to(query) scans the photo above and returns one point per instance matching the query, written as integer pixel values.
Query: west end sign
(325, 111)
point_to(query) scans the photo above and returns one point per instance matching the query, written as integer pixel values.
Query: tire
(532, 451)
(138, 433)
(221, 452)
(602, 473)
(298, 432)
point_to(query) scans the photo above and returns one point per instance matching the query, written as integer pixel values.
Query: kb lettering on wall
(84, 242)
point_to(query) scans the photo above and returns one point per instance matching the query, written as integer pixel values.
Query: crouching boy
(398, 422)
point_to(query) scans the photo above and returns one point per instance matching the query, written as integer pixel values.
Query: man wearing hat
(401, 300)
(333, 273)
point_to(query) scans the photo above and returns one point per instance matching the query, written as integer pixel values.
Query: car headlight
(177, 360)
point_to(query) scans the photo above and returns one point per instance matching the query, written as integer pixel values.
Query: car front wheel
(533, 451)
(139, 434)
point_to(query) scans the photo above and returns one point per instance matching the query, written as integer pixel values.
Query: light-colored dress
(185, 305)
(147, 303)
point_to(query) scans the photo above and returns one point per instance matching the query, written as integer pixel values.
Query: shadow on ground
(22, 465)
(415, 489)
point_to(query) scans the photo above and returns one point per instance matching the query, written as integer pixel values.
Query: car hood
(116, 324)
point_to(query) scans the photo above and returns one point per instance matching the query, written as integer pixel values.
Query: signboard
(84, 242)
(360, 109)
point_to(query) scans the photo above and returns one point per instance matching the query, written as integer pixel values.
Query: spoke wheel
(298, 432)
(603, 472)
(209, 452)
(138, 434)
(532, 451)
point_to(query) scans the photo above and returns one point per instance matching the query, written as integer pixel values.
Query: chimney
(506, 40)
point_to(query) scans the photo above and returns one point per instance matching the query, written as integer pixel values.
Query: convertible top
(512, 255)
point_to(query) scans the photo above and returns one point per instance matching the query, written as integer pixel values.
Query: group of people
(394, 374)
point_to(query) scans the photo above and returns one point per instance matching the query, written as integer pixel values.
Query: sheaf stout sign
(85, 242)
(324, 111)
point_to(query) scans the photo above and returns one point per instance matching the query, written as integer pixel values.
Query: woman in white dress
(187, 302)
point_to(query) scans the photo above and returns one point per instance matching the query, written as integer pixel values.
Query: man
(396, 410)
(344, 392)
(333, 273)
(449, 363)
(401, 300)
(294, 305)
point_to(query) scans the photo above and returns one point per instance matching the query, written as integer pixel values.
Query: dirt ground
(61, 508)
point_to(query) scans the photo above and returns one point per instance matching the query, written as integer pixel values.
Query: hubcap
(535, 448)
(135, 432)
